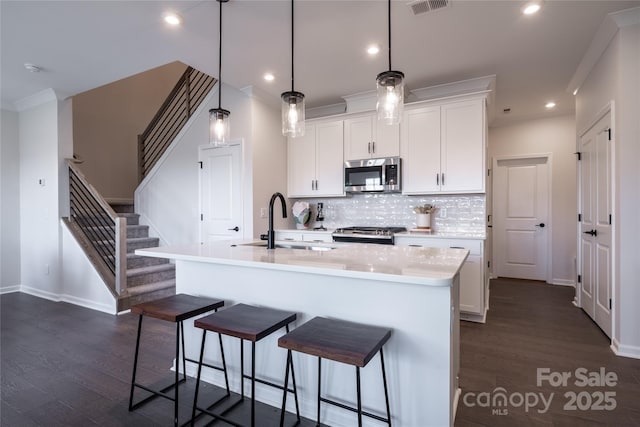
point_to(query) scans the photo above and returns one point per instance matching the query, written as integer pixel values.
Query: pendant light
(390, 88)
(292, 103)
(219, 117)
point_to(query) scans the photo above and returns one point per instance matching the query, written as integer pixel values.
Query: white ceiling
(85, 44)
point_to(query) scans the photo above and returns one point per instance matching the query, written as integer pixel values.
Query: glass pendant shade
(219, 127)
(293, 114)
(390, 103)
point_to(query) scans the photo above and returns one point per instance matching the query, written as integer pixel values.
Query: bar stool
(176, 309)
(247, 323)
(347, 342)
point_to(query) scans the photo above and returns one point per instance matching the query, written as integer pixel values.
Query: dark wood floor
(532, 325)
(63, 365)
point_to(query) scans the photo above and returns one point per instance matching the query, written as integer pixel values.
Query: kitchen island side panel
(421, 357)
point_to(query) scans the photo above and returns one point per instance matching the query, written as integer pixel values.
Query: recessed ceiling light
(373, 49)
(550, 104)
(173, 19)
(575, 92)
(269, 77)
(531, 8)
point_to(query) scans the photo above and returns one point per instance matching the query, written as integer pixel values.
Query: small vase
(423, 221)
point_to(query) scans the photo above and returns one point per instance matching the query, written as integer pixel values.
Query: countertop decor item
(301, 214)
(423, 218)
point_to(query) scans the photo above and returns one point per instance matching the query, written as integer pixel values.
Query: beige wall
(106, 124)
(557, 136)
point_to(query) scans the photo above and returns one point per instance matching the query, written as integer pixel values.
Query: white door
(521, 219)
(221, 193)
(595, 239)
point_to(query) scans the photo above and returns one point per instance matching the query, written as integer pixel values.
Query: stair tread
(149, 269)
(149, 287)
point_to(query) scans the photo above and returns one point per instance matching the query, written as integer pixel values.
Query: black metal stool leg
(286, 385)
(295, 388)
(253, 384)
(195, 398)
(242, 368)
(319, 379)
(224, 365)
(359, 397)
(175, 403)
(386, 392)
(135, 364)
(184, 355)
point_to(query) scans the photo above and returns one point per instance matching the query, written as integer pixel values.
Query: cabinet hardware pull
(437, 179)
(456, 247)
(373, 146)
(442, 178)
(369, 147)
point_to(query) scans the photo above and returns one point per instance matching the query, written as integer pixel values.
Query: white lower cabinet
(474, 291)
(304, 236)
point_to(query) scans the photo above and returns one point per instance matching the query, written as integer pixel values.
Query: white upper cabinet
(366, 137)
(315, 161)
(443, 148)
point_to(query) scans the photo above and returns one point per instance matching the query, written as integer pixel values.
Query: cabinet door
(358, 136)
(463, 147)
(386, 139)
(329, 159)
(471, 286)
(301, 163)
(420, 150)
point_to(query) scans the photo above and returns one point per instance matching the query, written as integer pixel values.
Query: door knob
(591, 232)
(234, 228)
(541, 225)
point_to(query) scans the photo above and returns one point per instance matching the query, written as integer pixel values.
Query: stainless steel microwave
(373, 175)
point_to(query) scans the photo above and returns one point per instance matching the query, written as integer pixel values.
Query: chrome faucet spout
(271, 239)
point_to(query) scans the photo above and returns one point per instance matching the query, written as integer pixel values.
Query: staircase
(147, 278)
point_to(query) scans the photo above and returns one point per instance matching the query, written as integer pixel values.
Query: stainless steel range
(378, 235)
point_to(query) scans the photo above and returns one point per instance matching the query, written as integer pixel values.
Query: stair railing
(105, 231)
(174, 113)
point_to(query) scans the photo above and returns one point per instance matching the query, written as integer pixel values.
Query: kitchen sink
(297, 245)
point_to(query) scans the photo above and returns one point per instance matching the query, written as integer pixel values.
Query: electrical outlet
(263, 212)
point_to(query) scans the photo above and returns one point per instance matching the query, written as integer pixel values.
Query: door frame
(549, 221)
(201, 150)
(608, 108)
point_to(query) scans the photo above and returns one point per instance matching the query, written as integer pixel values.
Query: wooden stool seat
(249, 323)
(246, 322)
(177, 308)
(347, 342)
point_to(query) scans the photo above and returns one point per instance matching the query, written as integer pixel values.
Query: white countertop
(423, 266)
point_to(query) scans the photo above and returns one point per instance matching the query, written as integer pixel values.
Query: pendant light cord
(292, 79)
(220, 60)
(389, 18)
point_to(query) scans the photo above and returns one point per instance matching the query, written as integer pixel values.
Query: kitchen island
(414, 291)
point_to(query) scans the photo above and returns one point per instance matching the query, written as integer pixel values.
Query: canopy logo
(499, 401)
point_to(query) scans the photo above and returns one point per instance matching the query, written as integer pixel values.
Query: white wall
(39, 168)
(557, 136)
(9, 202)
(616, 77)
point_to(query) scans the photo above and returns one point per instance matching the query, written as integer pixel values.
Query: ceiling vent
(424, 6)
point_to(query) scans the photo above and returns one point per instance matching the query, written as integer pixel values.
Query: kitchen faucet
(270, 237)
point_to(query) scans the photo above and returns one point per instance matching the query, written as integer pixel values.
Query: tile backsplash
(462, 213)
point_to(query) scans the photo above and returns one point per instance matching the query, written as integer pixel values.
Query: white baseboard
(105, 308)
(40, 293)
(631, 351)
(9, 289)
(563, 282)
